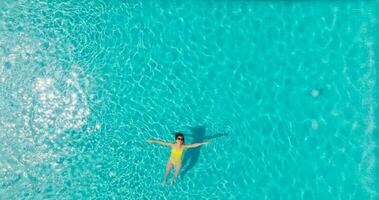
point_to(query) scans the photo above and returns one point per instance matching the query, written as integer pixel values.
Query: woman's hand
(206, 142)
(150, 141)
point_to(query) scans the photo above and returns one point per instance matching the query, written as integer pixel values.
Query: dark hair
(179, 134)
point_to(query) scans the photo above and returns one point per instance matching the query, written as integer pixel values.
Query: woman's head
(179, 137)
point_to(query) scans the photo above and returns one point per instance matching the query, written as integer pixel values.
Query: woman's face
(179, 140)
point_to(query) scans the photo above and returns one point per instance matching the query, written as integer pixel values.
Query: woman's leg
(177, 169)
(168, 168)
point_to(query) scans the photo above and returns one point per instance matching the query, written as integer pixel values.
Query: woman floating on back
(175, 159)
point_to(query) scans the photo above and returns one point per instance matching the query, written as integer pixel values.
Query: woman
(176, 154)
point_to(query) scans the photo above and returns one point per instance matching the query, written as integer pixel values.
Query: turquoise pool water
(284, 90)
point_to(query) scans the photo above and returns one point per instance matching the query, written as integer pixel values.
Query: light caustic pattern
(290, 83)
(40, 101)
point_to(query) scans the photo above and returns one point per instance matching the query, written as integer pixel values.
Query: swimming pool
(284, 90)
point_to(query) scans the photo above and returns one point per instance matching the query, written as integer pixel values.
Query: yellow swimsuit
(176, 156)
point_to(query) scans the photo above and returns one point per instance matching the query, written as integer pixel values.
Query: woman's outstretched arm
(160, 142)
(195, 145)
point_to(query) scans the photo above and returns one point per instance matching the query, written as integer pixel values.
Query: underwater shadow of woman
(191, 156)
